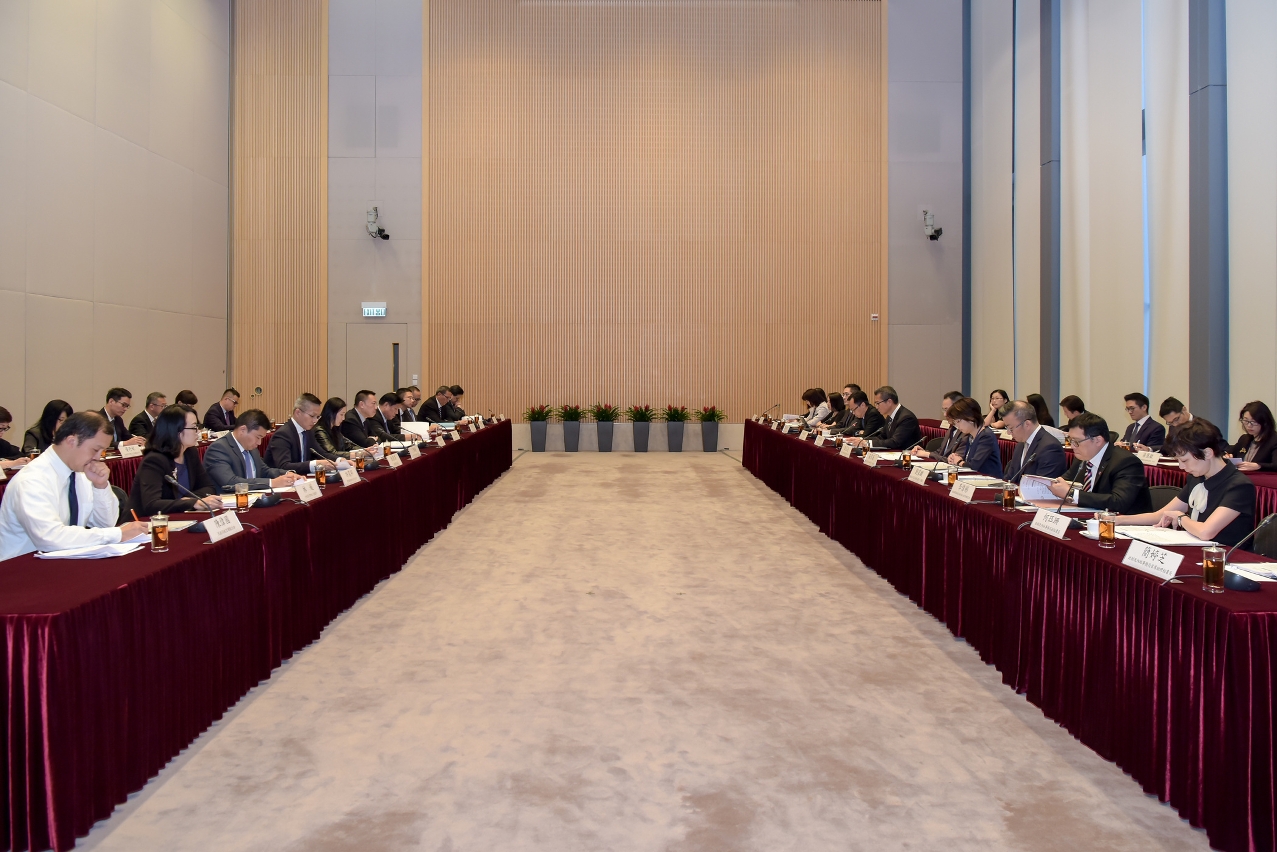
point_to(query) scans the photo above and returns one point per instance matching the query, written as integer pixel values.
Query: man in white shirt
(63, 499)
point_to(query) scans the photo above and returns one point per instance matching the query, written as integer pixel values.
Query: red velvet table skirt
(112, 667)
(1172, 683)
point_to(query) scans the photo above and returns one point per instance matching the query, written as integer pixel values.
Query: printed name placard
(454, 435)
(944, 424)
(223, 526)
(414, 452)
(845, 452)
(1149, 456)
(1152, 559)
(820, 439)
(3, 475)
(918, 475)
(393, 460)
(349, 476)
(1051, 523)
(308, 489)
(963, 491)
(802, 436)
(871, 459)
(133, 451)
(775, 425)
(439, 441)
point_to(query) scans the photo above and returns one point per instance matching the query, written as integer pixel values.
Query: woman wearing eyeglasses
(997, 399)
(981, 450)
(172, 451)
(1257, 449)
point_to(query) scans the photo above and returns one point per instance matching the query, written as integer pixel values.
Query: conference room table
(1172, 683)
(113, 666)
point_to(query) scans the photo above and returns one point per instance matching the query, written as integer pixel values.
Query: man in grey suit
(234, 458)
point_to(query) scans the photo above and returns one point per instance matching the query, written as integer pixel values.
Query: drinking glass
(1008, 498)
(1108, 530)
(359, 463)
(1213, 569)
(159, 533)
(241, 497)
(953, 476)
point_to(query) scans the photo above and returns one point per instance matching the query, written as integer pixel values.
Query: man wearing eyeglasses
(142, 425)
(290, 447)
(900, 429)
(1144, 433)
(1103, 476)
(118, 401)
(1176, 415)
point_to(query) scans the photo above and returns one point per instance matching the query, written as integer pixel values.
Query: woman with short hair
(981, 453)
(817, 407)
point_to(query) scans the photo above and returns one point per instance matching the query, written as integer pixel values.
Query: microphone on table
(773, 408)
(1237, 582)
(1020, 473)
(172, 480)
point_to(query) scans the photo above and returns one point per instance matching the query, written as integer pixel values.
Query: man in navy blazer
(292, 444)
(1144, 430)
(1037, 452)
(234, 458)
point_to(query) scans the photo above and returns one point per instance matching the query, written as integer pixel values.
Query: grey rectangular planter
(641, 431)
(676, 436)
(709, 437)
(571, 435)
(539, 428)
(605, 436)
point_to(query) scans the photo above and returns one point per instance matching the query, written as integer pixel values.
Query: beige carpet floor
(637, 652)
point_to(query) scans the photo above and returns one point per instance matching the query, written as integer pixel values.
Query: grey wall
(114, 183)
(374, 151)
(924, 121)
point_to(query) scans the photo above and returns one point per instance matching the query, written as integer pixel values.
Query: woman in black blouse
(1217, 502)
(840, 416)
(1039, 405)
(172, 451)
(997, 399)
(1258, 447)
(328, 437)
(40, 435)
(10, 456)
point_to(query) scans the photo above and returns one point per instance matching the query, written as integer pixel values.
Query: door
(372, 353)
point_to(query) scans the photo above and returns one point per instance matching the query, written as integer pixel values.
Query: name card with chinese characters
(223, 526)
(133, 451)
(1149, 457)
(963, 491)
(393, 460)
(439, 441)
(775, 425)
(871, 459)
(1051, 523)
(349, 476)
(414, 452)
(918, 475)
(308, 489)
(802, 436)
(845, 452)
(820, 439)
(1152, 559)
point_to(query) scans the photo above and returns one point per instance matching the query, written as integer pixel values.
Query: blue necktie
(303, 448)
(74, 500)
(249, 471)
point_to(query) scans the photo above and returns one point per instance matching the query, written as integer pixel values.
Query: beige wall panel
(629, 201)
(279, 300)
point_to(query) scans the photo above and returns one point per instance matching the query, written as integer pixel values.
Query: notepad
(1163, 537)
(96, 551)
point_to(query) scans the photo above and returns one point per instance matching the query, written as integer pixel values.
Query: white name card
(223, 526)
(1051, 523)
(1152, 559)
(454, 435)
(349, 476)
(802, 436)
(820, 439)
(775, 425)
(871, 459)
(963, 491)
(308, 489)
(944, 424)
(918, 475)
(133, 451)
(3, 475)
(1150, 457)
(414, 452)
(845, 452)
(393, 460)
(473, 428)
(439, 440)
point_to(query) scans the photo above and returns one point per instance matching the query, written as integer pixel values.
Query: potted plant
(675, 416)
(641, 416)
(605, 416)
(710, 417)
(571, 417)
(538, 417)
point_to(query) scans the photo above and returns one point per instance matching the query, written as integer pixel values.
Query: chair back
(1161, 495)
(1265, 543)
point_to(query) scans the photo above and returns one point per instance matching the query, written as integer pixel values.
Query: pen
(135, 517)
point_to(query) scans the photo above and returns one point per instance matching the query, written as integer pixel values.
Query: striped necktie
(1090, 477)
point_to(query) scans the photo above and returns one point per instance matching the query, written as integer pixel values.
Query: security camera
(929, 225)
(373, 230)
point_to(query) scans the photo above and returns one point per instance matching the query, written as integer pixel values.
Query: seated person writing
(119, 401)
(900, 428)
(817, 407)
(63, 499)
(1113, 478)
(142, 425)
(234, 458)
(292, 444)
(1217, 502)
(864, 421)
(1258, 447)
(172, 451)
(40, 436)
(981, 452)
(11, 457)
(329, 440)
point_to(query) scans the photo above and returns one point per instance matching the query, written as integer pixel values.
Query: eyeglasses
(190, 428)
(4, 427)
(1132, 408)
(1248, 422)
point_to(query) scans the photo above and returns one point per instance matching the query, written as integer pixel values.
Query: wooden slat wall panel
(279, 282)
(641, 202)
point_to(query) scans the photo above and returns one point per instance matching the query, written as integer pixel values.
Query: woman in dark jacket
(1258, 446)
(841, 416)
(332, 443)
(171, 451)
(981, 453)
(40, 435)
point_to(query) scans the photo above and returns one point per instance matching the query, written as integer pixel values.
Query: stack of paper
(1163, 537)
(96, 551)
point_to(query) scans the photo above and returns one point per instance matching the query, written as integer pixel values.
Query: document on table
(941, 465)
(981, 481)
(228, 500)
(97, 551)
(887, 455)
(1037, 488)
(1163, 537)
(1260, 572)
(1024, 506)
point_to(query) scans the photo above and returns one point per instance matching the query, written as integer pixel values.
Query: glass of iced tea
(241, 497)
(359, 463)
(159, 533)
(1008, 497)
(1108, 529)
(953, 476)
(906, 461)
(1213, 569)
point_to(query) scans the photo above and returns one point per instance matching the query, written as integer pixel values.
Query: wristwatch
(1077, 494)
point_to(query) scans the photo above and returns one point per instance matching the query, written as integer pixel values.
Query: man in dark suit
(221, 415)
(358, 427)
(1037, 452)
(234, 458)
(1144, 430)
(385, 423)
(454, 412)
(434, 410)
(142, 425)
(408, 412)
(1176, 415)
(953, 441)
(290, 447)
(900, 430)
(1072, 405)
(1104, 476)
(865, 420)
(118, 401)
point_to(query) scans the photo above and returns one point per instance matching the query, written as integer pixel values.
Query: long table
(112, 667)
(1172, 683)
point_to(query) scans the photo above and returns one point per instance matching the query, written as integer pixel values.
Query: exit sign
(374, 309)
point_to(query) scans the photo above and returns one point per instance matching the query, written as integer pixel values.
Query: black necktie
(73, 500)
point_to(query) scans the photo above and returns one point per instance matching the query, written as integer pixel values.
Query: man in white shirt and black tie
(63, 499)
